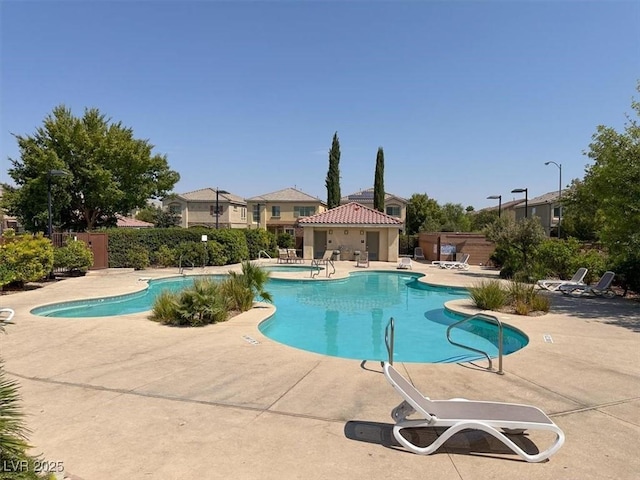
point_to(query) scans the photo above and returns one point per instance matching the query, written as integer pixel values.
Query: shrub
(199, 305)
(540, 303)
(75, 256)
(489, 295)
(164, 257)
(285, 240)
(29, 257)
(165, 307)
(259, 239)
(138, 258)
(216, 254)
(192, 254)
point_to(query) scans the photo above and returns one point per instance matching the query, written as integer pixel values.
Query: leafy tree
(333, 175)
(481, 219)
(378, 182)
(453, 218)
(422, 212)
(109, 172)
(160, 217)
(516, 242)
(581, 218)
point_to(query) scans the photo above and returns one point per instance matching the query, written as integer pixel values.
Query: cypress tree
(378, 182)
(333, 175)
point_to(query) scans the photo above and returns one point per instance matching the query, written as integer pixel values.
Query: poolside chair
(463, 264)
(363, 260)
(283, 255)
(494, 418)
(418, 254)
(293, 256)
(6, 315)
(553, 284)
(405, 262)
(600, 289)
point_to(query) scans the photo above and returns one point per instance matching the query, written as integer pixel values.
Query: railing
(265, 254)
(181, 268)
(483, 317)
(315, 264)
(389, 338)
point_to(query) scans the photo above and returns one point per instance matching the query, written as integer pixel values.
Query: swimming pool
(292, 268)
(344, 317)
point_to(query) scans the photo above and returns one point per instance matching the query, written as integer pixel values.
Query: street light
(52, 173)
(559, 165)
(218, 192)
(526, 199)
(499, 198)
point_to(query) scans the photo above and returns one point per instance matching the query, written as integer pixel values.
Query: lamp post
(218, 192)
(559, 165)
(526, 199)
(50, 174)
(499, 198)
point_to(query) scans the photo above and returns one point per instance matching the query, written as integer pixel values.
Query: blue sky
(468, 99)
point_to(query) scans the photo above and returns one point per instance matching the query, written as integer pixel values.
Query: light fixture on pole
(559, 165)
(526, 199)
(50, 174)
(499, 198)
(218, 192)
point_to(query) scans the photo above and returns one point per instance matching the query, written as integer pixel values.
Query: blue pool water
(292, 268)
(343, 318)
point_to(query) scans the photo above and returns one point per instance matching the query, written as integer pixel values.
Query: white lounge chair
(494, 418)
(405, 262)
(6, 315)
(363, 260)
(600, 289)
(418, 254)
(463, 264)
(554, 284)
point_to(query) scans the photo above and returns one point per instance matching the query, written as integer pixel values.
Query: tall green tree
(422, 211)
(378, 182)
(333, 175)
(109, 172)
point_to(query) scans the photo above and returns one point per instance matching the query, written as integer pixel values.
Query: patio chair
(293, 256)
(418, 254)
(405, 262)
(554, 284)
(463, 264)
(455, 415)
(600, 289)
(283, 255)
(363, 260)
(6, 315)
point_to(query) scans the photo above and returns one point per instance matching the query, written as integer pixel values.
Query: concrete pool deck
(124, 397)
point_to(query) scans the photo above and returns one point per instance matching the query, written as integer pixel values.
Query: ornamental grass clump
(489, 295)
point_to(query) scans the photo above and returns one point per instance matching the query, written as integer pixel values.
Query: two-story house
(394, 205)
(278, 212)
(208, 207)
(547, 207)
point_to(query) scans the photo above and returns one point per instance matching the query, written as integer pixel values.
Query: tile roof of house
(209, 195)
(367, 196)
(128, 222)
(351, 214)
(285, 195)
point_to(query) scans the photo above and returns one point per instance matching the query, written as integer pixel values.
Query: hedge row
(165, 246)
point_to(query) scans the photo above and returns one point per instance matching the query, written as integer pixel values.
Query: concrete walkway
(124, 397)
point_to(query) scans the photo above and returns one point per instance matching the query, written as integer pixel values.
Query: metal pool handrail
(389, 338)
(483, 316)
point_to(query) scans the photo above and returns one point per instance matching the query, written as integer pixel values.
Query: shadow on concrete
(467, 442)
(621, 312)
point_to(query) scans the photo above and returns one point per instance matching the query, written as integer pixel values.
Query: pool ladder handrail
(265, 254)
(482, 316)
(181, 268)
(315, 264)
(389, 338)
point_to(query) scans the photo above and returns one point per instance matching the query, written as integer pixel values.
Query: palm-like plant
(256, 279)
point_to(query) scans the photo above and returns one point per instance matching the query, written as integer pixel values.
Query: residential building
(352, 229)
(394, 205)
(279, 212)
(208, 207)
(547, 207)
(507, 209)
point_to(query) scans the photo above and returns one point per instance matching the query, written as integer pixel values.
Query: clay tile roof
(285, 195)
(128, 222)
(351, 214)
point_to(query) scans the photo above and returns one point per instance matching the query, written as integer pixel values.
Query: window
(556, 212)
(393, 210)
(290, 231)
(303, 211)
(212, 210)
(275, 211)
(175, 209)
(243, 213)
(256, 213)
